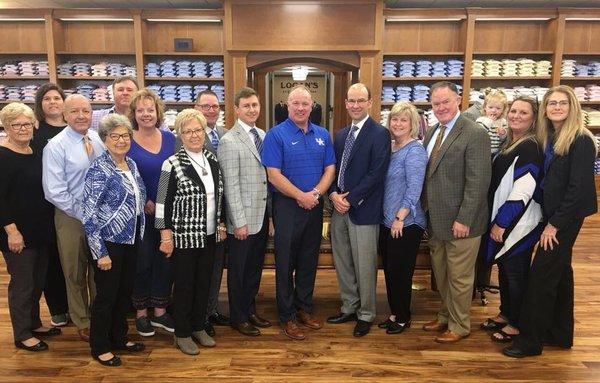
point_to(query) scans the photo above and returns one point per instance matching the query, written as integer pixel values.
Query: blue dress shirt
(64, 165)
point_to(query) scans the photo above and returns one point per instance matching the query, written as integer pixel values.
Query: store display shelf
(183, 53)
(454, 54)
(98, 78)
(199, 79)
(408, 79)
(109, 53)
(24, 78)
(510, 78)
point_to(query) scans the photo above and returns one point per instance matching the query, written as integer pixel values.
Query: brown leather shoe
(292, 330)
(449, 337)
(84, 334)
(308, 320)
(435, 325)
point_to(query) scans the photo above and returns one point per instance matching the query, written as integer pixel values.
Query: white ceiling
(211, 4)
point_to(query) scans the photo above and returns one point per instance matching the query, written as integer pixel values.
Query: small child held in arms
(495, 107)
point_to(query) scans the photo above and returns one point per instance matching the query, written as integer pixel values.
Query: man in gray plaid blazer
(455, 198)
(247, 224)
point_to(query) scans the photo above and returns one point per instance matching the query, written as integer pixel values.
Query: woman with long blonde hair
(569, 195)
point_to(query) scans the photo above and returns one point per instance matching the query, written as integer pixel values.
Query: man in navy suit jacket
(362, 152)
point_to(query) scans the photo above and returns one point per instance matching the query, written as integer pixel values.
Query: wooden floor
(332, 354)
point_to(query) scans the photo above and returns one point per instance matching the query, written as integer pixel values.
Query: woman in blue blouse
(113, 219)
(150, 147)
(403, 218)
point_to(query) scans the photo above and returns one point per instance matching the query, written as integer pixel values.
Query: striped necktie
(346, 156)
(214, 139)
(89, 149)
(257, 140)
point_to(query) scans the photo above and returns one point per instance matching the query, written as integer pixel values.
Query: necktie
(214, 139)
(257, 140)
(346, 155)
(89, 149)
(432, 158)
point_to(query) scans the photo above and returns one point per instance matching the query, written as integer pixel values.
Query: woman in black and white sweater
(190, 216)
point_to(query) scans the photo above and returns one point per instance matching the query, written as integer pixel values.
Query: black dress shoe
(386, 323)
(362, 328)
(246, 329)
(397, 328)
(39, 346)
(210, 330)
(218, 319)
(258, 321)
(51, 332)
(115, 361)
(516, 352)
(135, 347)
(342, 318)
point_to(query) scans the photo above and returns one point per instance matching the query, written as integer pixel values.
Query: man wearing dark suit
(208, 103)
(362, 152)
(455, 198)
(281, 112)
(316, 114)
(246, 197)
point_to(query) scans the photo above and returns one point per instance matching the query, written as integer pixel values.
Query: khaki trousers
(75, 260)
(453, 263)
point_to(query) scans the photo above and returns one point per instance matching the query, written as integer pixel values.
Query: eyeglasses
(554, 104)
(115, 137)
(18, 127)
(360, 101)
(190, 133)
(207, 107)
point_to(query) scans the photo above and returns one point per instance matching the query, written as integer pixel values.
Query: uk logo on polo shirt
(320, 141)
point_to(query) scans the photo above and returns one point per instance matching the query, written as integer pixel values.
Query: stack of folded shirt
(388, 69)
(101, 94)
(65, 69)
(582, 70)
(221, 119)
(157, 89)
(198, 89)
(14, 93)
(567, 69)
(423, 68)
(509, 68)
(28, 93)
(27, 68)
(3, 96)
(543, 68)
(388, 94)
(185, 93)
(406, 68)
(526, 67)
(403, 93)
(492, 68)
(10, 69)
(220, 91)
(86, 90)
(593, 92)
(167, 68)
(594, 68)
(99, 70)
(43, 69)
(383, 117)
(477, 68)
(438, 69)
(580, 93)
(82, 69)
(169, 93)
(199, 69)
(430, 117)
(454, 68)
(169, 119)
(183, 68)
(420, 93)
(592, 117)
(216, 69)
(152, 70)
(476, 95)
(129, 70)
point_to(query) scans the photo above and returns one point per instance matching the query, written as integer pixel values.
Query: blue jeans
(153, 277)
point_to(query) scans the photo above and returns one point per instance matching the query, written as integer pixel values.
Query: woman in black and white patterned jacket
(190, 216)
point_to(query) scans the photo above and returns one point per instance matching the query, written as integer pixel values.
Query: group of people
(139, 216)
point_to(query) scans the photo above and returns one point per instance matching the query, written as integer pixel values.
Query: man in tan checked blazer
(455, 198)
(239, 154)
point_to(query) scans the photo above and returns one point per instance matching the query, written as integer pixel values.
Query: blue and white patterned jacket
(109, 210)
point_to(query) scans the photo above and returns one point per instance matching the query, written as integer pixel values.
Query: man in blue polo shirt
(300, 164)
